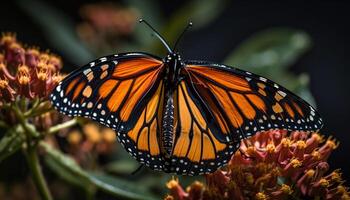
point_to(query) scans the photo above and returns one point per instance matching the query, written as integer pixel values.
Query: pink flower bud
(176, 190)
(15, 55)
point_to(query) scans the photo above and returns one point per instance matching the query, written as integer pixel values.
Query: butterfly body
(171, 79)
(183, 117)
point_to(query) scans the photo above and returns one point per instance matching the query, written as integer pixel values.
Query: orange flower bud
(261, 196)
(108, 135)
(7, 93)
(92, 133)
(4, 73)
(313, 142)
(6, 40)
(299, 150)
(74, 137)
(24, 79)
(56, 62)
(32, 57)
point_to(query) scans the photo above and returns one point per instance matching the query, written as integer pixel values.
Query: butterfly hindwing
(196, 150)
(243, 103)
(141, 141)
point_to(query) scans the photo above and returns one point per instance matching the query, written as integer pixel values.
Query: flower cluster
(27, 77)
(274, 165)
(26, 72)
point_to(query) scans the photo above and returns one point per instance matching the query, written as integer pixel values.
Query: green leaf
(120, 183)
(270, 51)
(67, 166)
(67, 175)
(122, 167)
(11, 142)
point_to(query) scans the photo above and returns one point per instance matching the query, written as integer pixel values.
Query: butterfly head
(173, 57)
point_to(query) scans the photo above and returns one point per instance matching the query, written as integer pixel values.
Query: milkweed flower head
(26, 72)
(27, 76)
(274, 165)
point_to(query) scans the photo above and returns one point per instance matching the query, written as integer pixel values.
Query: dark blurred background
(326, 61)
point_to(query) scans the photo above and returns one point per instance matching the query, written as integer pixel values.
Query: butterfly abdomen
(168, 125)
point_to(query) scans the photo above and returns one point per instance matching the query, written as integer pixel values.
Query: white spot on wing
(263, 79)
(312, 113)
(283, 94)
(87, 71)
(58, 88)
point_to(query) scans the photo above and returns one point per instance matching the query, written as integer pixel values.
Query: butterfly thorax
(173, 65)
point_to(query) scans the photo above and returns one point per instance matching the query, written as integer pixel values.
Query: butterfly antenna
(157, 34)
(189, 25)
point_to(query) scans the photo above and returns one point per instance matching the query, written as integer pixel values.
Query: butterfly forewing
(243, 103)
(111, 90)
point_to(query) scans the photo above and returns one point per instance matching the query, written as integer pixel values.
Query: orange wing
(243, 103)
(141, 141)
(112, 90)
(196, 150)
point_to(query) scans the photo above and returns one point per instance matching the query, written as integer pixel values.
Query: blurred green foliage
(10, 143)
(268, 53)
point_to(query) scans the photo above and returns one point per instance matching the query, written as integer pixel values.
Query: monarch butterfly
(183, 117)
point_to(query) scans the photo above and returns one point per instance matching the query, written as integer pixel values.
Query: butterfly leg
(137, 170)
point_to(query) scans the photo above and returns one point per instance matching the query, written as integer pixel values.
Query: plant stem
(36, 103)
(34, 113)
(23, 122)
(37, 175)
(66, 124)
